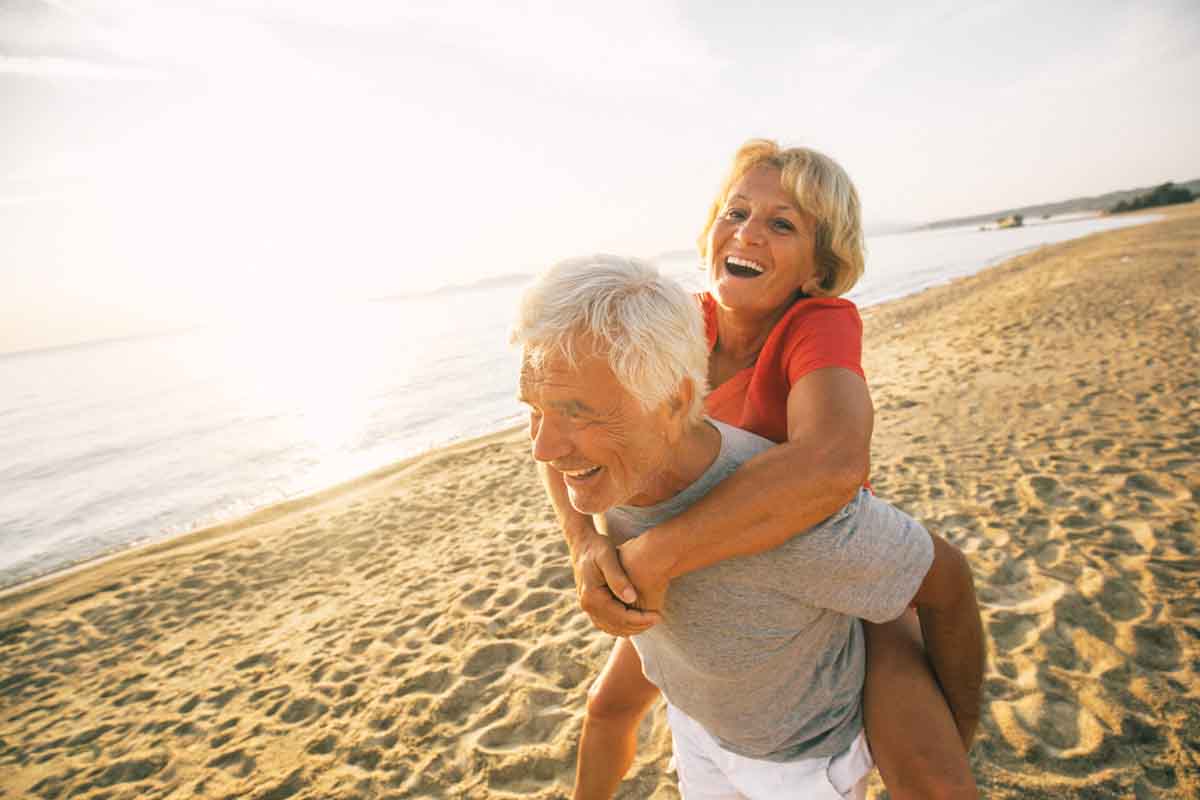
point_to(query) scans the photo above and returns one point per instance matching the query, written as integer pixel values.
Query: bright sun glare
(313, 363)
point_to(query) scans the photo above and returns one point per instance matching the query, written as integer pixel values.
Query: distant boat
(1011, 221)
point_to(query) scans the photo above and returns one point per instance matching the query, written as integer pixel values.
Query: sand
(415, 634)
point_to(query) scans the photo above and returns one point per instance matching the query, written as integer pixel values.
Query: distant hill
(1073, 206)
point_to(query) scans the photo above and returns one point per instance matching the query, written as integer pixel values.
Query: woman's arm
(599, 579)
(779, 493)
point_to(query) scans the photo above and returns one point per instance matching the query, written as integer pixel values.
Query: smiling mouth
(580, 474)
(742, 267)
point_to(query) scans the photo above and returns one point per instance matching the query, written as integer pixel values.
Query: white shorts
(708, 772)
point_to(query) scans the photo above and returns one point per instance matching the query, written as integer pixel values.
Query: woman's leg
(913, 737)
(617, 701)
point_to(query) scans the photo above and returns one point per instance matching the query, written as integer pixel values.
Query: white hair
(648, 327)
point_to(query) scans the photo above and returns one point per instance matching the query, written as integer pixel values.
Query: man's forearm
(576, 527)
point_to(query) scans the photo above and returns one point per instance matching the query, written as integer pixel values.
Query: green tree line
(1164, 195)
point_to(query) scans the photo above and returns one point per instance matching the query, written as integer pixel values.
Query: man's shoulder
(738, 444)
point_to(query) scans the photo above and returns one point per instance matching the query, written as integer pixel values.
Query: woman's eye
(735, 214)
(782, 225)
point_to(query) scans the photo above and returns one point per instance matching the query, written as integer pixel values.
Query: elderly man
(760, 658)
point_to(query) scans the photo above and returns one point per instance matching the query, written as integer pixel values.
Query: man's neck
(690, 458)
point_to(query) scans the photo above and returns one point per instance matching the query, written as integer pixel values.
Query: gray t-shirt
(765, 651)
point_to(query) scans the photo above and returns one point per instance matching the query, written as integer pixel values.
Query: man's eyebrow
(570, 406)
(573, 406)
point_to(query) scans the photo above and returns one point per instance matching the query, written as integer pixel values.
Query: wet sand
(414, 634)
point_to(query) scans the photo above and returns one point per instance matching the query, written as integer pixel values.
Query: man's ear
(681, 401)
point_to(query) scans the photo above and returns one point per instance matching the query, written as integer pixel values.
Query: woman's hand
(601, 582)
(650, 580)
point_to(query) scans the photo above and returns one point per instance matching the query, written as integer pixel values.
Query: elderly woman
(783, 239)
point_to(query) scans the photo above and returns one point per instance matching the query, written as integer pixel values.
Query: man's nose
(549, 442)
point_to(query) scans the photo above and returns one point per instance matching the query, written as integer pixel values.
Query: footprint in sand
(1155, 647)
(554, 577)
(1041, 490)
(1120, 599)
(477, 598)
(1138, 482)
(235, 762)
(526, 774)
(539, 599)
(558, 666)
(1011, 631)
(129, 771)
(322, 746)
(428, 682)
(492, 658)
(302, 709)
(528, 729)
(1072, 610)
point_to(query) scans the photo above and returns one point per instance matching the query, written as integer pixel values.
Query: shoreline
(255, 517)
(218, 532)
(415, 633)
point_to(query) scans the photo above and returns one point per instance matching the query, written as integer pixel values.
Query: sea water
(107, 445)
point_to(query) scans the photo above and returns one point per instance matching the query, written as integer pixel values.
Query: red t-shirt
(816, 332)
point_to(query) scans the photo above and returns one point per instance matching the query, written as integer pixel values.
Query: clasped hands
(618, 587)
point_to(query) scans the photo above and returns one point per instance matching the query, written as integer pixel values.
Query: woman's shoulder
(817, 332)
(837, 313)
(811, 305)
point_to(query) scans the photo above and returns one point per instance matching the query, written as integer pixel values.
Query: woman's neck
(740, 336)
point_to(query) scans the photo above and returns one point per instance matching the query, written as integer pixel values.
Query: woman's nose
(749, 230)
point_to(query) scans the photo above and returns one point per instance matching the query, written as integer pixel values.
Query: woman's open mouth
(742, 267)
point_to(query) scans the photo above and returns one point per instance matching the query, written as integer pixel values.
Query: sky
(164, 164)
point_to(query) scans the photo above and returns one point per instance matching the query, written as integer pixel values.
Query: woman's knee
(621, 691)
(617, 700)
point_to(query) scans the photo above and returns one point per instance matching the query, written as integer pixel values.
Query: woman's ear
(812, 287)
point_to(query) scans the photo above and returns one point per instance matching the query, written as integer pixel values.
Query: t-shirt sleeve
(824, 336)
(866, 561)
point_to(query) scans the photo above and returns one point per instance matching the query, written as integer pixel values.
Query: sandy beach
(414, 634)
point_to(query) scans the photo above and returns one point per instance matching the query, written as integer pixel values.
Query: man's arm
(953, 632)
(596, 566)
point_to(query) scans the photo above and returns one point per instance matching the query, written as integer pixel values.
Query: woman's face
(760, 247)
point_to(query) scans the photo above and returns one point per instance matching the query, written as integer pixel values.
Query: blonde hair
(648, 327)
(820, 188)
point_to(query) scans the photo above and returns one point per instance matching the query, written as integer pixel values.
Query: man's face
(587, 426)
